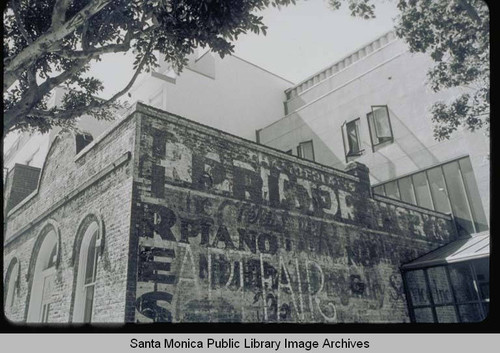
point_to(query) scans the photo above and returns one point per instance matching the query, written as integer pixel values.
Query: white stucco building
(372, 107)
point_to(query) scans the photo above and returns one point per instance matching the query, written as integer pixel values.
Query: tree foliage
(455, 33)
(52, 42)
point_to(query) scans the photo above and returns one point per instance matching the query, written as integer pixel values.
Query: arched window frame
(11, 285)
(44, 261)
(84, 285)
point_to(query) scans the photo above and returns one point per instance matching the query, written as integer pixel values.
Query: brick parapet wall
(247, 233)
(238, 231)
(22, 181)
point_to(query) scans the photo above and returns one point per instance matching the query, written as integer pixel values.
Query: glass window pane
(89, 302)
(12, 286)
(306, 150)
(423, 315)
(458, 198)
(381, 123)
(440, 288)
(462, 282)
(391, 190)
(379, 190)
(422, 191)
(446, 314)
(52, 257)
(89, 266)
(406, 190)
(473, 193)
(470, 313)
(45, 312)
(373, 134)
(352, 137)
(438, 190)
(417, 287)
(482, 269)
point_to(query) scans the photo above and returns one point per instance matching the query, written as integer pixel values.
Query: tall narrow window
(458, 198)
(41, 295)
(380, 125)
(352, 142)
(422, 191)
(406, 190)
(391, 190)
(306, 150)
(473, 195)
(87, 271)
(10, 286)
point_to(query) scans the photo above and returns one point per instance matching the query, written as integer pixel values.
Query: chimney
(21, 181)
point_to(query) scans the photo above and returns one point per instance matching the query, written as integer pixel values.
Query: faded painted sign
(229, 232)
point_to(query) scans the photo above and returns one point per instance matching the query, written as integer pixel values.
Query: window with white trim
(87, 271)
(11, 285)
(351, 138)
(306, 150)
(380, 127)
(41, 298)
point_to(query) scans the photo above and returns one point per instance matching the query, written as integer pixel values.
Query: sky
(301, 40)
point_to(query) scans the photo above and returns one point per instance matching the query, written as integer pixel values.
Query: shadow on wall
(416, 152)
(334, 159)
(411, 145)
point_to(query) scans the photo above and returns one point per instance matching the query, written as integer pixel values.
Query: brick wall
(97, 183)
(22, 180)
(199, 225)
(227, 230)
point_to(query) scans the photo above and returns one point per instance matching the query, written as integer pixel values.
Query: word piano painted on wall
(229, 232)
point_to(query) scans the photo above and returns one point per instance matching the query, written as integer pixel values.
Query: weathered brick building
(164, 219)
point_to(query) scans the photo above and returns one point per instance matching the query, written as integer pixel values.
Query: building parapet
(340, 64)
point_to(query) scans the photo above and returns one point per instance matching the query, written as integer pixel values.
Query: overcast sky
(301, 40)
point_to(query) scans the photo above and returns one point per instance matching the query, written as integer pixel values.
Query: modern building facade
(230, 94)
(372, 107)
(158, 218)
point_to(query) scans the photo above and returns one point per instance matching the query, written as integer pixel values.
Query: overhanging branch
(20, 24)
(59, 13)
(43, 43)
(34, 94)
(91, 53)
(73, 113)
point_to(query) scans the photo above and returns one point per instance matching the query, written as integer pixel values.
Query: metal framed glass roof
(472, 247)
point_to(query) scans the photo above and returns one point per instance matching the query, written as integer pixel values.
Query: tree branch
(43, 43)
(95, 105)
(20, 24)
(91, 53)
(73, 113)
(59, 13)
(34, 94)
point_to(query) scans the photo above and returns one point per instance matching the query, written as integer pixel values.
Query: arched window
(11, 285)
(87, 270)
(43, 279)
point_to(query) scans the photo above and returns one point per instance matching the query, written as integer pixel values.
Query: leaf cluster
(48, 43)
(456, 35)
